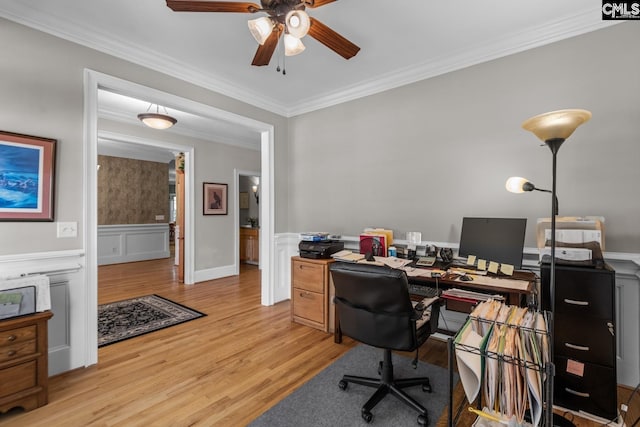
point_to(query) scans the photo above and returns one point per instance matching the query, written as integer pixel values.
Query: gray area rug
(320, 402)
(121, 320)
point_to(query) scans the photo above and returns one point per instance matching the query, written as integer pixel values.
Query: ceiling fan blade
(265, 52)
(332, 40)
(212, 6)
(317, 3)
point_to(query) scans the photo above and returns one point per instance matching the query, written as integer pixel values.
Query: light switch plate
(67, 229)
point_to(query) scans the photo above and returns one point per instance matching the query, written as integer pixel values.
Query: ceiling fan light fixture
(292, 45)
(298, 23)
(261, 29)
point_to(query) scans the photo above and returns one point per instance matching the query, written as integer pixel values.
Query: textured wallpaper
(132, 191)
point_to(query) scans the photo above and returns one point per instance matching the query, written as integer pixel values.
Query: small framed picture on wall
(215, 198)
(244, 200)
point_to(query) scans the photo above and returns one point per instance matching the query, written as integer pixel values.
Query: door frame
(86, 308)
(237, 173)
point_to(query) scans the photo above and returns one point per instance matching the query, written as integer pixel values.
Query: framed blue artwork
(27, 174)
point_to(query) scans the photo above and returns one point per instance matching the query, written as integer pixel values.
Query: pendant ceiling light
(157, 120)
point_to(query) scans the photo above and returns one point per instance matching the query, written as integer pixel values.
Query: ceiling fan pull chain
(284, 59)
(278, 55)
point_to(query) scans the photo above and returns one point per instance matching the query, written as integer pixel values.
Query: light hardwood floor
(221, 370)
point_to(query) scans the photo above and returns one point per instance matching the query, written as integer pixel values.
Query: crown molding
(577, 24)
(111, 44)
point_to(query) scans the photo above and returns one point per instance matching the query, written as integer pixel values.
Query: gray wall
(41, 93)
(420, 157)
(416, 158)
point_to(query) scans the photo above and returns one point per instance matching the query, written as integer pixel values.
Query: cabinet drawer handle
(576, 347)
(574, 302)
(306, 295)
(11, 338)
(12, 353)
(577, 393)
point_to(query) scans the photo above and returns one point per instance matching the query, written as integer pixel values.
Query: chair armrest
(425, 303)
(420, 307)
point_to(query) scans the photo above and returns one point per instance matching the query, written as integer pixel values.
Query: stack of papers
(347, 256)
(314, 237)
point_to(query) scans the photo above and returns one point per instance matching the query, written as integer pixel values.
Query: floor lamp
(553, 129)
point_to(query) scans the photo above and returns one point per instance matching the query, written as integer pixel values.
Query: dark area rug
(320, 402)
(121, 320)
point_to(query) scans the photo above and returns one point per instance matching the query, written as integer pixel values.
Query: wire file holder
(543, 367)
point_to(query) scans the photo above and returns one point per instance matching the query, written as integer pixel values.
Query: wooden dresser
(312, 293)
(24, 373)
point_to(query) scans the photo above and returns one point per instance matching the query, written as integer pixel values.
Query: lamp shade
(556, 124)
(292, 45)
(298, 23)
(261, 29)
(515, 184)
(156, 120)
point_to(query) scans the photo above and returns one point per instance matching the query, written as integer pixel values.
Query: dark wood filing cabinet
(584, 338)
(24, 362)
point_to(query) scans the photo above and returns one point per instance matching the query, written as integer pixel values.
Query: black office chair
(374, 307)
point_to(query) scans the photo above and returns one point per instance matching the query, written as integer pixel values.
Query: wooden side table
(24, 376)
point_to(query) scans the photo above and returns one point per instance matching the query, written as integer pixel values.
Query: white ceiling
(401, 42)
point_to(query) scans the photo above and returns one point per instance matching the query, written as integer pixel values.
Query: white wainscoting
(132, 242)
(627, 267)
(67, 327)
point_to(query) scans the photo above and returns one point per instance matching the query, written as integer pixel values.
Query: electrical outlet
(159, 217)
(67, 229)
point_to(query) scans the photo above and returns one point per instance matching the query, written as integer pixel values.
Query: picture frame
(244, 200)
(27, 177)
(215, 199)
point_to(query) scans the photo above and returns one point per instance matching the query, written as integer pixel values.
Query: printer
(318, 250)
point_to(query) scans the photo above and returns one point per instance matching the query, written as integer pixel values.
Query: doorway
(95, 81)
(248, 238)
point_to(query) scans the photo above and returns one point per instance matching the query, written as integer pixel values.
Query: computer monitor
(493, 239)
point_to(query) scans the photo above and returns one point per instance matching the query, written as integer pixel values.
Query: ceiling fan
(286, 17)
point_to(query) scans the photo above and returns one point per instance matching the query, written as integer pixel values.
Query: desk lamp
(553, 129)
(517, 184)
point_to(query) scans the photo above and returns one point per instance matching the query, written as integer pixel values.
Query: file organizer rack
(547, 368)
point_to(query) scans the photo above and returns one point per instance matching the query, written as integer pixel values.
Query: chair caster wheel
(380, 368)
(343, 384)
(426, 387)
(367, 416)
(423, 420)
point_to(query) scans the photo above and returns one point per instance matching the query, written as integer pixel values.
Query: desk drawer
(309, 276)
(14, 336)
(21, 349)
(18, 378)
(308, 305)
(581, 291)
(593, 392)
(586, 339)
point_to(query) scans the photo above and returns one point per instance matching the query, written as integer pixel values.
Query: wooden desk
(513, 295)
